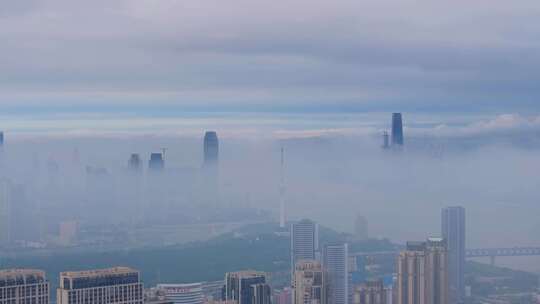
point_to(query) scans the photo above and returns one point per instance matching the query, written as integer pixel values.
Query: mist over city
(260, 152)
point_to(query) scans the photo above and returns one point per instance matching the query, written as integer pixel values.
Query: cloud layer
(355, 54)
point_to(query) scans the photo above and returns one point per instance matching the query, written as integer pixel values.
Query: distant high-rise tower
(335, 262)
(423, 273)
(23, 286)
(309, 283)
(211, 149)
(6, 214)
(361, 228)
(134, 162)
(453, 230)
(397, 129)
(282, 208)
(371, 292)
(386, 140)
(118, 285)
(156, 162)
(304, 241)
(247, 287)
(1, 139)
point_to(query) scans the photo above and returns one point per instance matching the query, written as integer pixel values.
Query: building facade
(423, 273)
(183, 293)
(336, 262)
(453, 231)
(309, 283)
(304, 241)
(23, 286)
(118, 285)
(246, 287)
(370, 292)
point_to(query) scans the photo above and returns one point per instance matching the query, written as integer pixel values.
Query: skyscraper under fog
(453, 230)
(1, 139)
(156, 162)
(135, 163)
(397, 129)
(211, 149)
(335, 262)
(304, 241)
(423, 273)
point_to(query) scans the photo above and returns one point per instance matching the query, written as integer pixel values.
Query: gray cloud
(397, 53)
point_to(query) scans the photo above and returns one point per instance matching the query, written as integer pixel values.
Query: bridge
(470, 253)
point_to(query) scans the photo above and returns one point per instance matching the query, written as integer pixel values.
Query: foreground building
(304, 241)
(247, 287)
(453, 231)
(23, 286)
(371, 292)
(118, 285)
(423, 273)
(336, 262)
(309, 283)
(183, 293)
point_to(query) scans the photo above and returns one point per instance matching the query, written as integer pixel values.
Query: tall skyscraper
(386, 140)
(5, 212)
(1, 139)
(156, 162)
(246, 287)
(397, 129)
(304, 241)
(183, 293)
(335, 262)
(423, 273)
(135, 163)
(23, 286)
(309, 283)
(118, 285)
(282, 207)
(211, 149)
(453, 231)
(361, 228)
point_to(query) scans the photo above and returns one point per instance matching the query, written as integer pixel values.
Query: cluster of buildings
(429, 272)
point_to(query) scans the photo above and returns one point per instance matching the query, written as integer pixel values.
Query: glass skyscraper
(453, 230)
(397, 129)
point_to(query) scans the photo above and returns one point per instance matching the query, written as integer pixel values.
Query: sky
(142, 56)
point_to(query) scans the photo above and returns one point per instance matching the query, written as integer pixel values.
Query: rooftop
(98, 272)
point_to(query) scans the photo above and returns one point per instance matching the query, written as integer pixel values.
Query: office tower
(135, 163)
(361, 229)
(183, 293)
(5, 212)
(118, 285)
(1, 139)
(156, 162)
(211, 149)
(23, 286)
(335, 262)
(282, 208)
(309, 283)
(304, 241)
(397, 129)
(386, 140)
(239, 286)
(262, 294)
(370, 292)
(423, 273)
(453, 231)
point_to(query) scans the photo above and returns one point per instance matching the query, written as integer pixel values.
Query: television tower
(282, 209)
